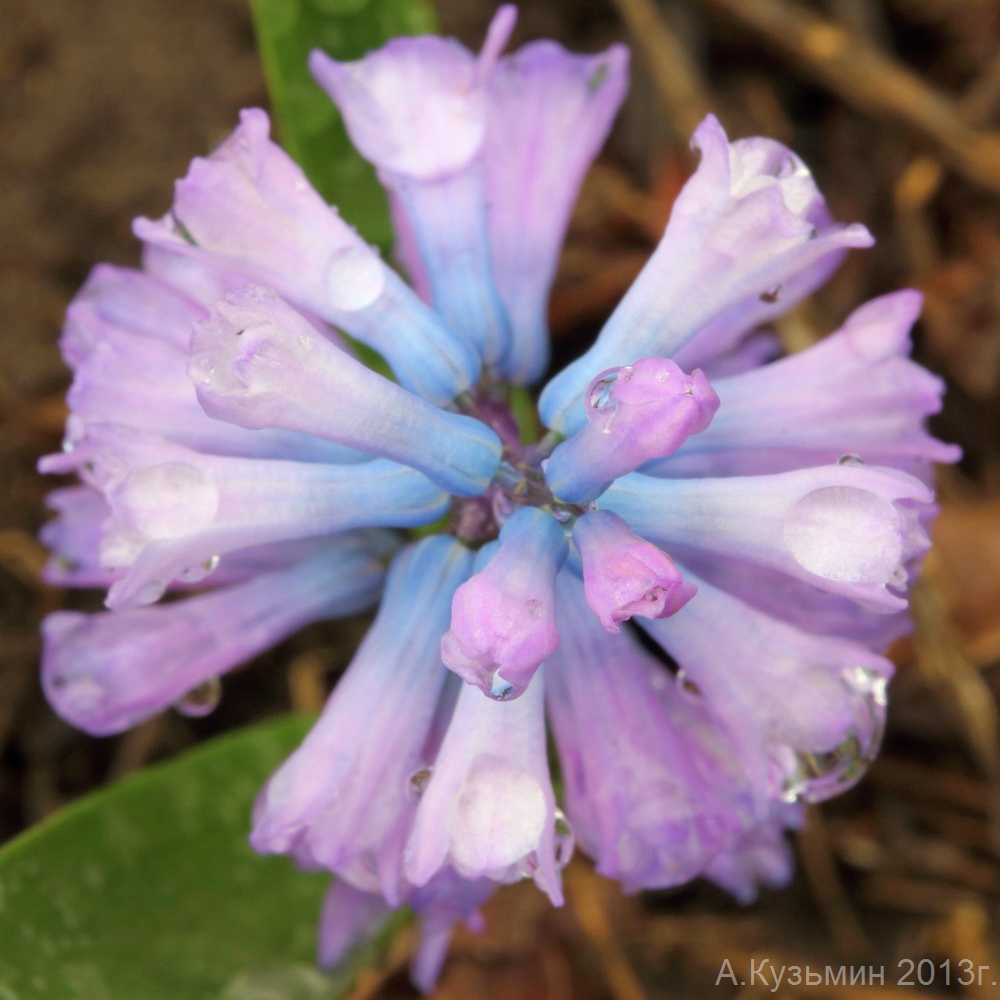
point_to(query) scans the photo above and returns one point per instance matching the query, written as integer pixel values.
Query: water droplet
(68, 445)
(843, 533)
(417, 783)
(899, 578)
(501, 690)
(850, 460)
(814, 777)
(772, 295)
(565, 840)
(688, 687)
(601, 404)
(869, 682)
(201, 700)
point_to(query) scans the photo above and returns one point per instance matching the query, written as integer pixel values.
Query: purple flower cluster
(758, 519)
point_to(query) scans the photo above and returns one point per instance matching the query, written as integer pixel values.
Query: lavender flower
(760, 523)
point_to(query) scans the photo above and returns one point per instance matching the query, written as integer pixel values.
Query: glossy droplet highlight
(601, 404)
(201, 700)
(850, 460)
(565, 839)
(844, 533)
(815, 777)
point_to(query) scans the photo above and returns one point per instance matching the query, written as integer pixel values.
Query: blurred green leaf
(148, 890)
(309, 125)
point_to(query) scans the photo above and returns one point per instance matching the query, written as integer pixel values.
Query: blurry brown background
(896, 106)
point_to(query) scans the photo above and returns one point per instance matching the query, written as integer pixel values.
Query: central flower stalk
(520, 479)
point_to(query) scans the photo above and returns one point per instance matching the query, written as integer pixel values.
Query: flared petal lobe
(488, 809)
(344, 800)
(258, 363)
(107, 672)
(249, 208)
(549, 112)
(635, 795)
(854, 394)
(744, 231)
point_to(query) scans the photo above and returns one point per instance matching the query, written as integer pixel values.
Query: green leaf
(148, 890)
(309, 125)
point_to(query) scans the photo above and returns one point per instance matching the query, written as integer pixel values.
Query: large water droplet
(417, 783)
(844, 533)
(201, 700)
(850, 460)
(565, 840)
(814, 777)
(602, 408)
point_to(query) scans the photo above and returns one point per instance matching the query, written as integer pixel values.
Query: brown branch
(675, 74)
(865, 77)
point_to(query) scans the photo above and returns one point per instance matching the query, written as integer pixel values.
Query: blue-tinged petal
(107, 672)
(417, 109)
(488, 809)
(549, 113)
(344, 800)
(856, 393)
(249, 208)
(258, 363)
(748, 236)
(848, 530)
(174, 510)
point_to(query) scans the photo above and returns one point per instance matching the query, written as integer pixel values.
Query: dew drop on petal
(565, 839)
(850, 460)
(201, 700)
(602, 408)
(354, 277)
(815, 777)
(844, 533)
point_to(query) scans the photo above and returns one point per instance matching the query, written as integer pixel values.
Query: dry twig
(864, 76)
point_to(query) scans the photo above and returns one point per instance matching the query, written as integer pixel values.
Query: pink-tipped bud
(503, 618)
(634, 414)
(623, 575)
